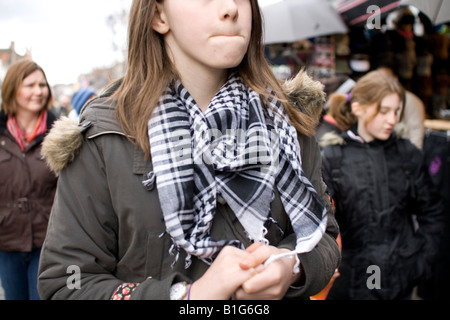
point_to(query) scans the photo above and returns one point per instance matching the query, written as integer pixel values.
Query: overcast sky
(67, 37)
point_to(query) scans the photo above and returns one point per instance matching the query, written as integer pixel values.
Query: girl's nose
(393, 118)
(229, 10)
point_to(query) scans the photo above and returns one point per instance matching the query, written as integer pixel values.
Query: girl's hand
(271, 282)
(224, 276)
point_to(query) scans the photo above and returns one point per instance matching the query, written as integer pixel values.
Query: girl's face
(211, 35)
(381, 125)
(33, 93)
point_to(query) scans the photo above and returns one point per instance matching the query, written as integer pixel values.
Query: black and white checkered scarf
(236, 152)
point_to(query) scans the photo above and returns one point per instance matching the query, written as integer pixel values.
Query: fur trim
(62, 144)
(308, 94)
(331, 138)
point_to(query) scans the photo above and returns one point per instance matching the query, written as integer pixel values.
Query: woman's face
(33, 93)
(381, 126)
(206, 34)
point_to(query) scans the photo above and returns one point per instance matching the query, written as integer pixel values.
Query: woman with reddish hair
(28, 186)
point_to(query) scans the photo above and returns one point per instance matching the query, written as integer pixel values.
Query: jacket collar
(3, 119)
(352, 136)
(51, 118)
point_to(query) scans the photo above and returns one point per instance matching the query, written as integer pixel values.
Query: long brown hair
(370, 89)
(13, 80)
(150, 71)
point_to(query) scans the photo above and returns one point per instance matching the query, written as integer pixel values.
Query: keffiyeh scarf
(236, 152)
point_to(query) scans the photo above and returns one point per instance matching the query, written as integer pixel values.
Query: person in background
(403, 48)
(235, 228)
(79, 99)
(389, 212)
(335, 119)
(64, 107)
(27, 185)
(412, 124)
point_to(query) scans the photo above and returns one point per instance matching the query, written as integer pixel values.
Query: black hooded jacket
(389, 214)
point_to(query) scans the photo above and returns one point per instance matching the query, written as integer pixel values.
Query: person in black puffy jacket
(388, 211)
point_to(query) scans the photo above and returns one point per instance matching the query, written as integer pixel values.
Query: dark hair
(13, 80)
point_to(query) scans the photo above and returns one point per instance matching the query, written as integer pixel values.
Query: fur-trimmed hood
(98, 118)
(62, 144)
(330, 139)
(308, 94)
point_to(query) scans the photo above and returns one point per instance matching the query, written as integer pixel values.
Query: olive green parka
(107, 225)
